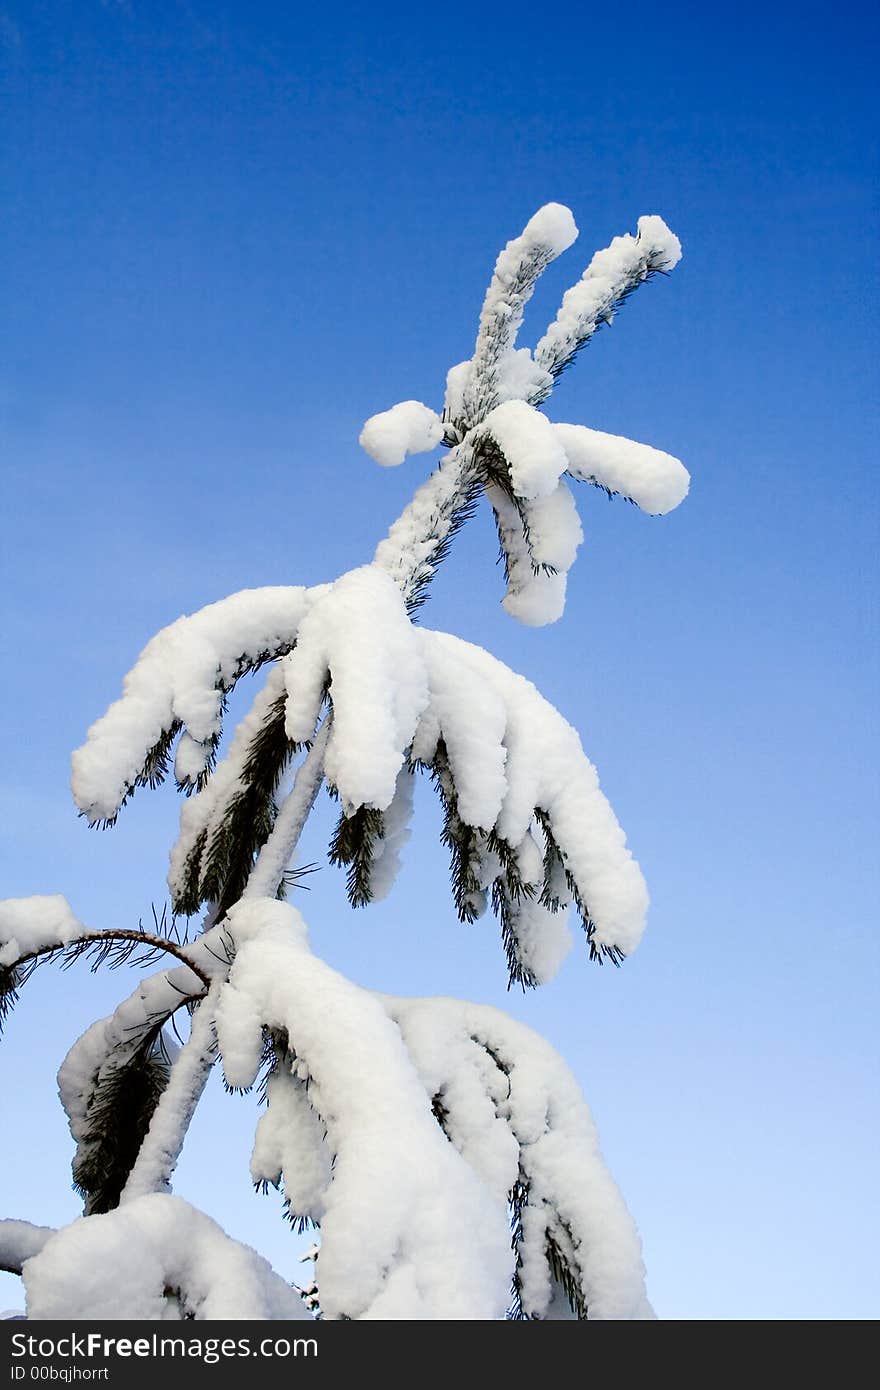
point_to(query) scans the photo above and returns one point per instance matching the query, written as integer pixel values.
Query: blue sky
(231, 233)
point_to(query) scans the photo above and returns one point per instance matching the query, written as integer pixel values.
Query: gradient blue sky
(231, 232)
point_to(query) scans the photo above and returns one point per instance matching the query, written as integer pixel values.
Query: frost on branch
(655, 481)
(359, 646)
(159, 1259)
(179, 682)
(410, 1131)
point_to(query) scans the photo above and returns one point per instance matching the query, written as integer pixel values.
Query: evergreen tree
(443, 1153)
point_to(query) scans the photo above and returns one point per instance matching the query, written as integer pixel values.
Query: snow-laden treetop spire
(504, 445)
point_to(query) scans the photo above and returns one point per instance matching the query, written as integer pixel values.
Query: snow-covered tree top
(506, 446)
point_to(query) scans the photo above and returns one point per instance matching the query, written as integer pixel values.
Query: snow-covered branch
(20, 1241)
(179, 682)
(156, 1258)
(388, 1246)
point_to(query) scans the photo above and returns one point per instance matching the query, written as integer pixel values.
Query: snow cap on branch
(121, 1265)
(180, 678)
(360, 638)
(388, 1248)
(28, 925)
(657, 482)
(534, 453)
(407, 428)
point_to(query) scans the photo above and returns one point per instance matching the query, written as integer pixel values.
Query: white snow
(533, 451)
(550, 232)
(29, 925)
(536, 596)
(359, 636)
(388, 1248)
(610, 274)
(407, 428)
(119, 1265)
(206, 811)
(510, 753)
(656, 481)
(524, 1115)
(181, 675)
(396, 833)
(290, 1145)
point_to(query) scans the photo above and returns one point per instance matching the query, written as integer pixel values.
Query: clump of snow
(511, 753)
(529, 443)
(121, 1265)
(30, 925)
(359, 636)
(180, 677)
(519, 377)
(290, 1145)
(609, 277)
(407, 428)
(540, 540)
(388, 1249)
(516, 1113)
(661, 245)
(652, 479)
(395, 834)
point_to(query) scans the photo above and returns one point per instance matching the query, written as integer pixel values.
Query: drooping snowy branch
(550, 232)
(156, 1258)
(420, 537)
(114, 1074)
(160, 1150)
(20, 1241)
(388, 1248)
(359, 646)
(179, 682)
(514, 1111)
(501, 755)
(31, 925)
(652, 479)
(607, 281)
(407, 428)
(224, 824)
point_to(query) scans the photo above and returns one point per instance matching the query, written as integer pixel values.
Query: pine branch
(353, 845)
(114, 948)
(119, 1114)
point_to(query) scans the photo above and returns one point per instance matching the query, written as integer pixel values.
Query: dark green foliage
(353, 844)
(10, 984)
(417, 592)
(218, 866)
(126, 1092)
(110, 948)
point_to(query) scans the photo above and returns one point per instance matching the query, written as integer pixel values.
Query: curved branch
(148, 939)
